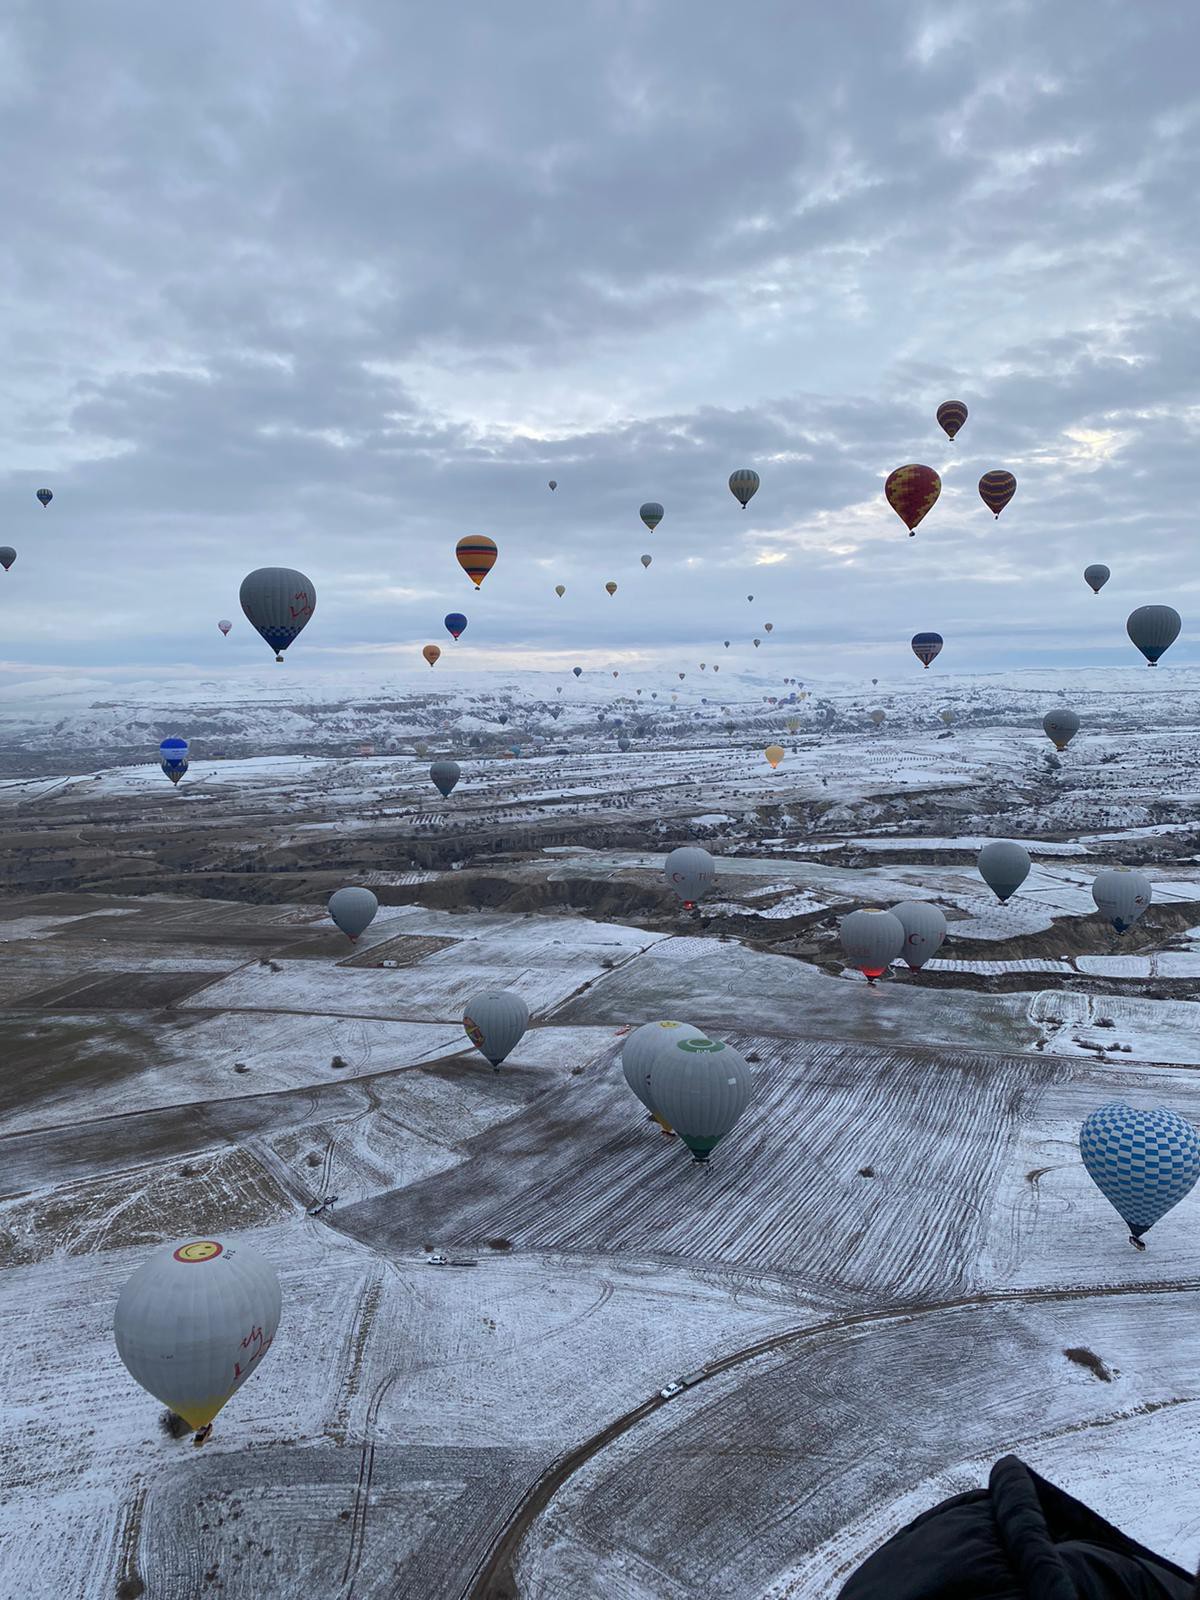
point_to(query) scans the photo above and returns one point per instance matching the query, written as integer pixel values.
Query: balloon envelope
(1003, 866)
(774, 754)
(643, 1046)
(432, 653)
(278, 603)
(927, 646)
(700, 1087)
(690, 871)
(1061, 725)
(872, 940)
(1142, 1162)
(743, 485)
(996, 489)
(611, 587)
(353, 910)
(7, 556)
(924, 930)
(646, 560)
(1122, 896)
(651, 514)
(45, 496)
(1153, 629)
(951, 415)
(445, 775)
(1096, 576)
(912, 492)
(554, 483)
(577, 671)
(455, 623)
(560, 589)
(224, 626)
(476, 556)
(194, 1321)
(495, 1021)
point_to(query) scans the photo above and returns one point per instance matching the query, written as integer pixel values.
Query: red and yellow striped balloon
(476, 556)
(996, 489)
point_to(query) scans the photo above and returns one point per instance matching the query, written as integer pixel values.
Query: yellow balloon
(774, 754)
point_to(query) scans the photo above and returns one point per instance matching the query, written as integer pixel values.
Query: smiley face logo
(199, 1250)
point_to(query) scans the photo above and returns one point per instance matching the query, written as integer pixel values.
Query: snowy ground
(904, 1195)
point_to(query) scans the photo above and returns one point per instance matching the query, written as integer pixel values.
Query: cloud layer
(329, 285)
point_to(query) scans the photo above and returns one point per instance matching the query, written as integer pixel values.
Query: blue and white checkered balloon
(1143, 1162)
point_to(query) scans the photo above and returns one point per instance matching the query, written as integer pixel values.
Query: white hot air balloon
(640, 1051)
(1122, 896)
(353, 909)
(691, 872)
(872, 939)
(495, 1021)
(924, 931)
(194, 1321)
(1003, 866)
(700, 1087)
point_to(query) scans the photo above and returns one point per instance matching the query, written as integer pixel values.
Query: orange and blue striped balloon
(476, 556)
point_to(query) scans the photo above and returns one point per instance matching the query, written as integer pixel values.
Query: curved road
(494, 1579)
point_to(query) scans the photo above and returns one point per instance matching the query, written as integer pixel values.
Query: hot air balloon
(951, 415)
(996, 489)
(690, 871)
(700, 1087)
(194, 1321)
(768, 627)
(278, 603)
(432, 653)
(879, 718)
(560, 589)
(1142, 1162)
(476, 556)
(225, 626)
(173, 758)
(1096, 576)
(554, 483)
(757, 643)
(927, 646)
(611, 587)
(642, 1048)
(651, 514)
(1003, 866)
(774, 754)
(743, 485)
(924, 930)
(1153, 629)
(495, 1022)
(1061, 725)
(726, 643)
(445, 774)
(947, 716)
(792, 724)
(45, 496)
(750, 597)
(912, 493)
(455, 623)
(622, 743)
(646, 560)
(872, 939)
(7, 556)
(682, 676)
(502, 718)
(716, 668)
(616, 674)
(577, 671)
(353, 910)
(1122, 896)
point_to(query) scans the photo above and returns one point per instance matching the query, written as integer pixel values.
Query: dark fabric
(1021, 1538)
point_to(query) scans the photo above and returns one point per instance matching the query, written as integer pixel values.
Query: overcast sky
(328, 285)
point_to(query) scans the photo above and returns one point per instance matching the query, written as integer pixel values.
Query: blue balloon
(1142, 1162)
(173, 753)
(926, 646)
(455, 623)
(577, 671)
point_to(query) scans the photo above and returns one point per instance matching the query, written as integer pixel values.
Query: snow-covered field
(873, 1287)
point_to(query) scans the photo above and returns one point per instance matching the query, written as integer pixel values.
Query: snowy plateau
(894, 1270)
